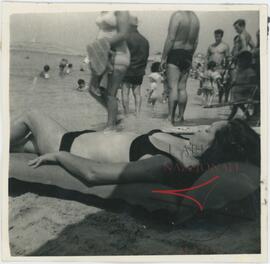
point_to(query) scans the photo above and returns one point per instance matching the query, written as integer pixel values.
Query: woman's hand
(49, 158)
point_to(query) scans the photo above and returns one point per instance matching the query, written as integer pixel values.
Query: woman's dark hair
(234, 142)
(155, 66)
(46, 68)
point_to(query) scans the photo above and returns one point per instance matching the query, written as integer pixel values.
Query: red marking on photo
(180, 192)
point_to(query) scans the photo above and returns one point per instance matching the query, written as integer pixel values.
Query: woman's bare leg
(136, 89)
(46, 133)
(115, 80)
(125, 97)
(94, 87)
(182, 95)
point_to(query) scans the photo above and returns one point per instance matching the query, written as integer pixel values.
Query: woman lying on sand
(99, 158)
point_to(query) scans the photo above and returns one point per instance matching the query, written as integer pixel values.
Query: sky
(76, 30)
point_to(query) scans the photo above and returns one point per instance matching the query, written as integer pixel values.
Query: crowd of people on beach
(232, 74)
(118, 59)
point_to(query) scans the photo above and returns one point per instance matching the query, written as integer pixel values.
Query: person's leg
(206, 98)
(153, 106)
(95, 92)
(233, 112)
(173, 75)
(125, 97)
(46, 132)
(211, 97)
(136, 90)
(182, 95)
(25, 145)
(220, 94)
(226, 92)
(115, 80)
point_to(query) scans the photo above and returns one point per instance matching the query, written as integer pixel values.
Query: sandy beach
(43, 225)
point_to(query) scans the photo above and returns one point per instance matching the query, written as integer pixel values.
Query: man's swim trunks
(135, 80)
(180, 58)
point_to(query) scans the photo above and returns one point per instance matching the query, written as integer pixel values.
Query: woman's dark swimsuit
(139, 147)
(180, 58)
(69, 137)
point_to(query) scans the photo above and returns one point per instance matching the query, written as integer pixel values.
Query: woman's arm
(122, 18)
(154, 169)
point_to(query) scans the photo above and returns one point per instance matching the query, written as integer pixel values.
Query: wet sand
(53, 226)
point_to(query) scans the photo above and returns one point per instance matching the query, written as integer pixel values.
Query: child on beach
(62, 66)
(200, 74)
(69, 68)
(155, 79)
(45, 73)
(211, 81)
(243, 83)
(81, 85)
(165, 94)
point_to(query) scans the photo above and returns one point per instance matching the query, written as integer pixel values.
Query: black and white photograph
(136, 131)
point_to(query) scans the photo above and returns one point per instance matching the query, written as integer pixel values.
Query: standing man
(139, 51)
(178, 51)
(243, 40)
(218, 52)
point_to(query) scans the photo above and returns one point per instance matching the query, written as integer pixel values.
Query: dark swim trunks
(135, 80)
(69, 137)
(180, 58)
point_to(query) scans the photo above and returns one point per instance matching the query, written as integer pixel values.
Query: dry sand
(47, 226)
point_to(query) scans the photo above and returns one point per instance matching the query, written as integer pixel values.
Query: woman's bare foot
(168, 123)
(95, 91)
(108, 129)
(178, 119)
(171, 120)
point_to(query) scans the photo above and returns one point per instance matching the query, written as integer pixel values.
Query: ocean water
(56, 96)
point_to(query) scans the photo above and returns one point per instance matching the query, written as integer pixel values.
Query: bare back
(187, 30)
